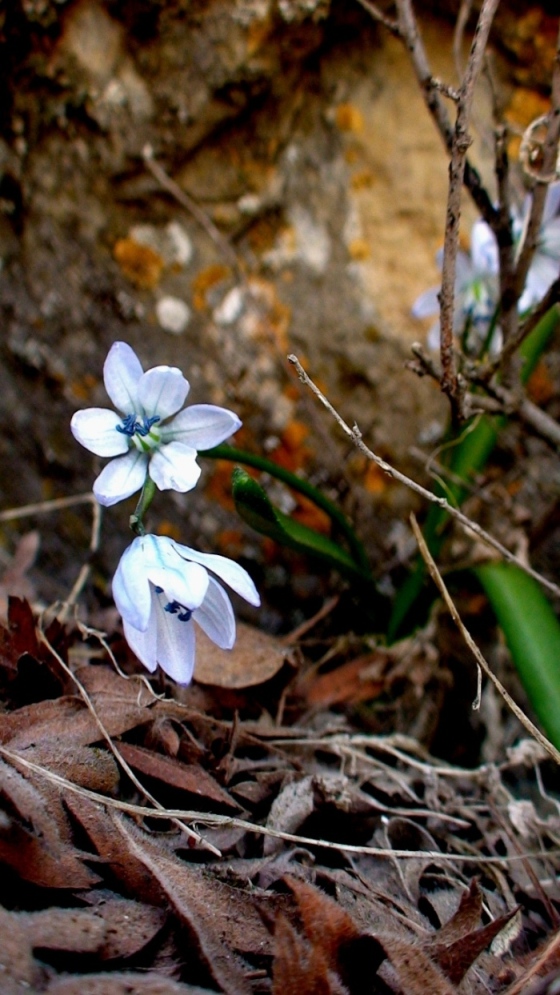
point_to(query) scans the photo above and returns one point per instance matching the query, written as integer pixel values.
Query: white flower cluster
(477, 278)
(161, 587)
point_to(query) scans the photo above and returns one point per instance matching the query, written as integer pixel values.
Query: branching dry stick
(439, 582)
(549, 157)
(450, 382)
(356, 436)
(408, 31)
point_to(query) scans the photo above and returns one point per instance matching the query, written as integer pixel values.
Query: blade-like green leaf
(532, 633)
(254, 506)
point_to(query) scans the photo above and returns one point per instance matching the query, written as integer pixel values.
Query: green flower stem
(147, 495)
(301, 486)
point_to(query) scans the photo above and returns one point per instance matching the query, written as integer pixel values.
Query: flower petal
(121, 374)
(121, 478)
(427, 304)
(143, 644)
(187, 585)
(162, 391)
(227, 570)
(131, 587)
(175, 646)
(484, 248)
(174, 467)
(202, 426)
(96, 429)
(215, 616)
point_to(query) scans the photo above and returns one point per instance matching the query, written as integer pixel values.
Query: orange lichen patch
(262, 233)
(375, 480)
(82, 388)
(352, 155)
(362, 180)
(140, 264)
(291, 391)
(540, 387)
(348, 117)
(209, 277)
(218, 487)
(513, 487)
(257, 34)
(230, 542)
(171, 529)
(307, 513)
(532, 37)
(292, 454)
(358, 249)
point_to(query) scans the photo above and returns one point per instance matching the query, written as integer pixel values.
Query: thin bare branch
(440, 584)
(214, 819)
(378, 15)
(355, 435)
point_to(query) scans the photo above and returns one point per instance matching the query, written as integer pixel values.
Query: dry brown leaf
(358, 680)
(85, 766)
(14, 579)
(255, 658)
(122, 984)
(129, 925)
(19, 970)
(456, 958)
(417, 972)
(74, 930)
(33, 846)
(220, 918)
(301, 967)
(100, 830)
(183, 777)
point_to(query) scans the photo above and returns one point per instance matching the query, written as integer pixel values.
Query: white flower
(476, 280)
(476, 289)
(150, 434)
(545, 265)
(161, 588)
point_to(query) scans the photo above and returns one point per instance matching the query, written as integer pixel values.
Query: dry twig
(467, 523)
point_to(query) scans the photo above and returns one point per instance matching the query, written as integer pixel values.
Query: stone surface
(298, 131)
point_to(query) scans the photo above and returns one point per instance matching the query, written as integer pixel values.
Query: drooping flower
(150, 433)
(162, 588)
(477, 275)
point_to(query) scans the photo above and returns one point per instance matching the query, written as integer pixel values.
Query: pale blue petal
(121, 478)
(175, 647)
(162, 391)
(201, 426)
(96, 429)
(215, 616)
(174, 467)
(121, 373)
(552, 203)
(484, 248)
(227, 570)
(549, 239)
(427, 304)
(143, 644)
(187, 585)
(131, 588)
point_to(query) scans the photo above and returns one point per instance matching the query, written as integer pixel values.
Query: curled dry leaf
(255, 658)
(180, 776)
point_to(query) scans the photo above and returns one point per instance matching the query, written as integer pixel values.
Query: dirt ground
(220, 184)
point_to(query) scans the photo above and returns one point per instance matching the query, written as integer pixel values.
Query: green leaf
(465, 460)
(254, 506)
(532, 633)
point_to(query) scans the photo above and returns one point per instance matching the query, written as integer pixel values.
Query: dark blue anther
(146, 425)
(158, 590)
(128, 426)
(132, 426)
(175, 608)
